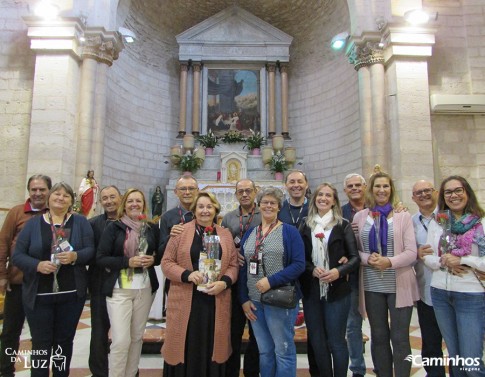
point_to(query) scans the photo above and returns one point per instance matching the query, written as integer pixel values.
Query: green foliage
(278, 163)
(232, 137)
(188, 162)
(256, 140)
(209, 140)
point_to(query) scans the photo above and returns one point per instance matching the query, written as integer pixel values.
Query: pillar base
(271, 134)
(195, 133)
(286, 135)
(181, 135)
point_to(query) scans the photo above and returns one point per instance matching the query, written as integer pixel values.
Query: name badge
(253, 266)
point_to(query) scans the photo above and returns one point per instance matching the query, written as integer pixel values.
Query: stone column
(271, 99)
(284, 100)
(367, 57)
(183, 99)
(196, 102)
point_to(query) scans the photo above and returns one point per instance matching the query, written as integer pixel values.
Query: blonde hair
(121, 208)
(313, 210)
(212, 198)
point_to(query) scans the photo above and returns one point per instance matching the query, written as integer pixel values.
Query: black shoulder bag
(283, 296)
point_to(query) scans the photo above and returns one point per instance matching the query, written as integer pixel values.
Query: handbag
(283, 296)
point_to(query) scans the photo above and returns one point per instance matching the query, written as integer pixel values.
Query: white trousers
(128, 313)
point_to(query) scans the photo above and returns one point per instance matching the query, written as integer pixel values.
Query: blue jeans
(461, 318)
(354, 334)
(274, 331)
(326, 322)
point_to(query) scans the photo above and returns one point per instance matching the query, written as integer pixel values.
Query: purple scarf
(384, 211)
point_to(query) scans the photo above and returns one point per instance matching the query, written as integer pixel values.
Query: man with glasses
(354, 188)
(426, 198)
(245, 217)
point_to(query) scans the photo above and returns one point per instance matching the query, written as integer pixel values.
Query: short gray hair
(271, 191)
(353, 175)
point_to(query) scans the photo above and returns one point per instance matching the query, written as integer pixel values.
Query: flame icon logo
(58, 360)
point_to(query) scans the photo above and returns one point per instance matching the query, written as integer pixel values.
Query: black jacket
(110, 255)
(342, 243)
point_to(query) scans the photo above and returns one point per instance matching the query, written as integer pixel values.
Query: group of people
(367, 259)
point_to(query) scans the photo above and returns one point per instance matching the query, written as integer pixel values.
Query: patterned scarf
(384, 212)
(466, 231)
(132, 238)
(320, 251)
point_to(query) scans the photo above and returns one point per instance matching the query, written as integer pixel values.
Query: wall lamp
(46, 10)
(419, 16)
(339, 41)
(127, 34)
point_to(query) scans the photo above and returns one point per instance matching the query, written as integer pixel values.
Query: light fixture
(419, 16)
(47, 10)
(339, 41)
(127, 34)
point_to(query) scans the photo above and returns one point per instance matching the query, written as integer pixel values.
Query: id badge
(237, 241)
(253, 266)
(66, 246)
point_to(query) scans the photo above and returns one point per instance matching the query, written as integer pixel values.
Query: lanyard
(291, 213)
(422, 222)
(260, 237)
(182, 216)
(53, 229)
(242, 229)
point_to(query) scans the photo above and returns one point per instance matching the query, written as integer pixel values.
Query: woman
(457, 293)
(329, 242)
(275, 255)
(387, 249)
(88, 191)
(127, 253)
(198, 336)
(52, 251)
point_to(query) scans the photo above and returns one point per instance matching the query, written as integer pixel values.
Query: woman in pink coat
(198, 336)
(388, 286)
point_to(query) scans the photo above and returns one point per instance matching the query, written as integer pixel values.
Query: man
(38, 187)
(110, 199)
(426, 198)
(172, 221)
(294, 210)
(354, 188)
(238, 222)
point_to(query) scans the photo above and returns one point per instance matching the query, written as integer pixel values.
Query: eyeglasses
(459, 191)
(422, 192)
(247, 191)
(190, 189)
(268, 203)
(356, 185)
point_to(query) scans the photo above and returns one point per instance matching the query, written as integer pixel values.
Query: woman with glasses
(457, 292)
(387, 249)
(198, 337)
(274, 255)
(328, 239)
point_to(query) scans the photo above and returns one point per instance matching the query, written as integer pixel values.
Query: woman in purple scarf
(388, 287)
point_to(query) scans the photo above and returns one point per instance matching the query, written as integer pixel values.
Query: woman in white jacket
(458, 294)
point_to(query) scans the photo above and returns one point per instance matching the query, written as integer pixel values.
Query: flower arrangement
(232, 137)
(278, 163)
(208, 140)
(187, 162)
(256, 140)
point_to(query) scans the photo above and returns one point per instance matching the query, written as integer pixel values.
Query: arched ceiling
(312, 24)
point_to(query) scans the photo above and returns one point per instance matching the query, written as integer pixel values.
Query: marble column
(271, 67)
(284, 100)
(196, 99)
(183, 99)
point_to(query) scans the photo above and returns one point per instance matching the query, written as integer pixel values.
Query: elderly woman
(198, 337)
(329, 242)
(52, 251)
(127, 252)
(275, 256)
(387, 249)
(457, 293)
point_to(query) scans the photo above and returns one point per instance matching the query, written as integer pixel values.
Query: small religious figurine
(157, 202)
(88, 192)
(233, 172)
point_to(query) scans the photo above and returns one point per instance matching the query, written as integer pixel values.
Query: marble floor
(151, 364)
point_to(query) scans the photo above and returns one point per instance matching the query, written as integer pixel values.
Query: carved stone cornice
(102, 46)
(366, 54)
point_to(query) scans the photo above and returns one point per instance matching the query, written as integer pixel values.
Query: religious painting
(233, 101)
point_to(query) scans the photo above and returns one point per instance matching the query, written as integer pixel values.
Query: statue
(233, 172)
(157, 202)
(88, 192)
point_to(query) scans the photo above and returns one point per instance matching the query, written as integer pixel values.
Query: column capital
(283, 67)
(404, 41)
(271, 67)
(184, 66)
(101, 45)
(196, 66)
(365, 50)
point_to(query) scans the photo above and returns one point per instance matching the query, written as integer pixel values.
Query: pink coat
(176, 260)
(405, 255)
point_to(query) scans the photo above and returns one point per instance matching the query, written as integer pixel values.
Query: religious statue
(88, 192)
(157, 202)
(233, 172)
